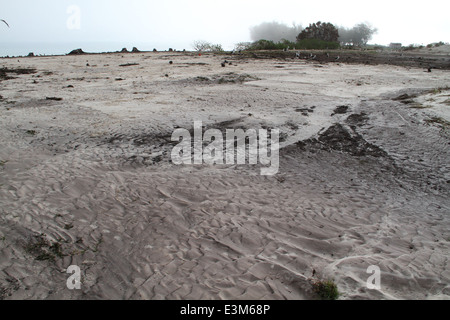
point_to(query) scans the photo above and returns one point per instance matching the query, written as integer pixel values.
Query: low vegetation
(5, 73)
(310, 44)
(204, 46)
(326, 290)
(439, 121)
(305, 44)
(439, 90)
(43, 249)
(321, 36)
(435, 44)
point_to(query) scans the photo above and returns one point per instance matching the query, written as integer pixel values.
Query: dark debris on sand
(228, 78)
(343, 139)
(366, 57)
(340, 110)
(5, 72)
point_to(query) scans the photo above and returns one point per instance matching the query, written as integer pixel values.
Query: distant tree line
(319, 35)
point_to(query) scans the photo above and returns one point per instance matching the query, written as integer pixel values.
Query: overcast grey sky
(180, 22)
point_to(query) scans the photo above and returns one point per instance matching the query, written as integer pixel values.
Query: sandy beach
(86, 177)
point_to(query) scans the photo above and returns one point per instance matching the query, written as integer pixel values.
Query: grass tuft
(326, 290)
(44, 250)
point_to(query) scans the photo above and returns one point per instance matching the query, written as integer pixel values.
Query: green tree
(320, 31)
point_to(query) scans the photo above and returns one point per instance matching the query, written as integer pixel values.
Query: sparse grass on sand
(419, 106)
(43, 249)
(438, 120)
(326, 290)
(439, 90)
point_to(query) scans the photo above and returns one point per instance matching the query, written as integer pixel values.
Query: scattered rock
(340, 110)
(54, 98)
(31, 132)
(77, 52)
(129, 64)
